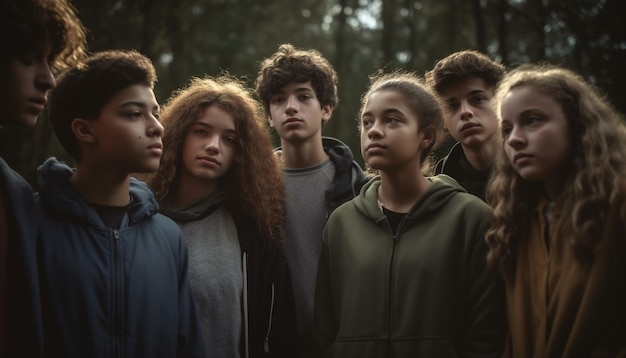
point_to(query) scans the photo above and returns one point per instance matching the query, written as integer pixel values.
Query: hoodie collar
(443, 189)
(58, 195)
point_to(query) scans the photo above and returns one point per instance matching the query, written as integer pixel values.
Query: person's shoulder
(11, 179)
(166, 226)
(458, 195)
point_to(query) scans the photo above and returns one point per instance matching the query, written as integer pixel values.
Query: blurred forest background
(187, 38)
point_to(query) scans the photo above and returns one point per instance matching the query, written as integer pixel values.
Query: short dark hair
(461, 65)
(35, 25)
(289, 64)
(83, 91)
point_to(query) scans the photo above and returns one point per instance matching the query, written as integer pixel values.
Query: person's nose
(44, 78)
(467, 112)
(291, 107)
(155, 128)
(516, 138)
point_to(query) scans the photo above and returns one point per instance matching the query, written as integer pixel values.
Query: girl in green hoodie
(402, 269)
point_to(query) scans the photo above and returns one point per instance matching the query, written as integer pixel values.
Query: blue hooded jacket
(112, 292)
(24, 332)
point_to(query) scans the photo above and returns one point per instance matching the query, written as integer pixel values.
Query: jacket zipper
(244, 268)
(117, 297)
(266, 343)
(394, 238)
(390, 294)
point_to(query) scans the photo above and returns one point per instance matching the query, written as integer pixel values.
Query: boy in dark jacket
(113, 270)
(298, 89)
(38, 39)
(466, 81)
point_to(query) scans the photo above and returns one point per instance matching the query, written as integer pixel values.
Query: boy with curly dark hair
(298, 89)
(39, 39)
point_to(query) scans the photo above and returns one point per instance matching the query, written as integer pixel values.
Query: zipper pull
(266, 345)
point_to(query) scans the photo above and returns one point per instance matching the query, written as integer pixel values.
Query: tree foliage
(187, 38)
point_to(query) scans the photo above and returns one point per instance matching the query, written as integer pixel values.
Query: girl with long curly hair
(559, 199)
(220, 181)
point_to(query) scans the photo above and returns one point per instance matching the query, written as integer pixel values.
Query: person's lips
(209, 160)
(520, 157)
(469, 125)
(156, 148)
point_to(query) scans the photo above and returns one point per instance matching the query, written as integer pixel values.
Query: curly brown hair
(289, 64)
(254, 182)
(34, 25)
(461, 65)
(596, 178)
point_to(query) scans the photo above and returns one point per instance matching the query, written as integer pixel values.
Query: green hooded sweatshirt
(423, 291)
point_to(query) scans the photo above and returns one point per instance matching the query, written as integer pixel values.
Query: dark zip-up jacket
(456, 165)
(349, 177)
(112, 293)
(421, 291)
(24, 330)
(272, 328)
(269, 301)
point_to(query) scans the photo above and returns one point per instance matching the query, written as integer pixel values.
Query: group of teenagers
(181, 232)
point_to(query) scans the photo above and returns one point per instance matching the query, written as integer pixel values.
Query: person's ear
(82, 130)
(270, 121)
(429, 136)
(327, 112)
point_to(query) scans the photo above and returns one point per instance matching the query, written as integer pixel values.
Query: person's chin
(147, 168)
(24, 120)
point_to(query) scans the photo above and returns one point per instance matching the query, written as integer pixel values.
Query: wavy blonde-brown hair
(598, 167)
(254, 182)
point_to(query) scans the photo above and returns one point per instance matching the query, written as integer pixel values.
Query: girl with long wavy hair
(220, 181)
(559, 199)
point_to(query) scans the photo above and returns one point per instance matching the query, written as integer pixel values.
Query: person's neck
(303, 154)
(190, 191)
(101, 187)
(482, 157)
(398, 192)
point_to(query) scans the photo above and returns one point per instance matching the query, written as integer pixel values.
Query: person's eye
(506, 131)
(305, 97)
(134, 114)
(391, 120)
(27, 60)
(366, 122)
(532, 120)
(452, 106)
(480, 100)
(276, 100)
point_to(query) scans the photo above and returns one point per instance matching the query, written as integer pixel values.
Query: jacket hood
(443, 189)
(196, 211)
(58, 195)
(337, 147)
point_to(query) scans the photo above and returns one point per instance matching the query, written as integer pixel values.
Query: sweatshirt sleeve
(190, 341)
(485, 314)
(325, 328)
(284, 328)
